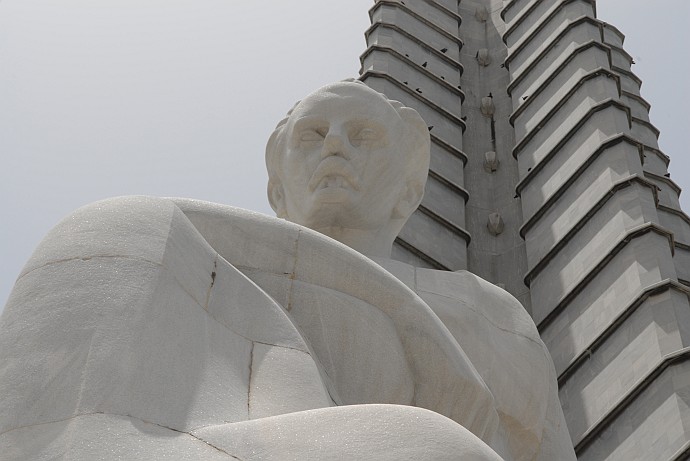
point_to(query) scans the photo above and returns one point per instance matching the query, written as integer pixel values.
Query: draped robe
(148, 328)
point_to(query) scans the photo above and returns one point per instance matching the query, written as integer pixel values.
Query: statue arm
(503, 343)
(280, 252)
(119, 307)
(124, 308)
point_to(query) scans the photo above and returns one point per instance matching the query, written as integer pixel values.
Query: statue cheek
(303, 160)
(378, 162)
(296, 167)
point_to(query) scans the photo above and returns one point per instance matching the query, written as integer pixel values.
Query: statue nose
(334, 145)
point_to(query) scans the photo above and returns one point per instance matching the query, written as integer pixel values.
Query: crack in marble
(213, 282)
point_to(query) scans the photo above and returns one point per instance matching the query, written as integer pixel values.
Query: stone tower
(547, 179)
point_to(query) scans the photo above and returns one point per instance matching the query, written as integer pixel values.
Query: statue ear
(276, 197)
(410, 200)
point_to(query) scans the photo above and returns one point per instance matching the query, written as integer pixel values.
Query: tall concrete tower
(547, 179)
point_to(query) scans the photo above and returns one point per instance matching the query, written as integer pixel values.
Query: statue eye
(365, 134)
(310, 136)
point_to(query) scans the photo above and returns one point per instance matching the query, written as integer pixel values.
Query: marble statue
(151, 328)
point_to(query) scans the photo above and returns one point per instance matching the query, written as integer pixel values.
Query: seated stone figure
(147, 328)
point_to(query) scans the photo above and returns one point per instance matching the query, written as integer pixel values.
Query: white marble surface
(349, 163)
(150, 327)
(192, 337)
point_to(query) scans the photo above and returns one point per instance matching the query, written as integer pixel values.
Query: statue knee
(134, 227)
(97, 252)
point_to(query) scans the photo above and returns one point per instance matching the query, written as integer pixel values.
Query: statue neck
(369, 243)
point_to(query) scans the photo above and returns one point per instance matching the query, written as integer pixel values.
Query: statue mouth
(332, 182)
(333, 172)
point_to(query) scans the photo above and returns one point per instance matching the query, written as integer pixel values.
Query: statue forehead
(350, 98)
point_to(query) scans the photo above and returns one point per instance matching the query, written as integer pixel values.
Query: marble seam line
(99, 413)
(482, 315)
(126, 257)
(294, 271)
(416, 291)
(228, 327)
(180, 285)
(249, 381)
(293, 277)
(88, 258)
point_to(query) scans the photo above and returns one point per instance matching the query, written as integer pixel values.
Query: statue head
(349, 163)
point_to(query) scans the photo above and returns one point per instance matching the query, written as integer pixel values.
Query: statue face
(341, 165)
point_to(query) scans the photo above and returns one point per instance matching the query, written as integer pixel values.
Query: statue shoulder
(498, 336)
(473, 293)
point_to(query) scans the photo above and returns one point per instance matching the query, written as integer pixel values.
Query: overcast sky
(100, 98)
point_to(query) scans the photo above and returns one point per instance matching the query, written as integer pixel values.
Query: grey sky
(100, 98)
